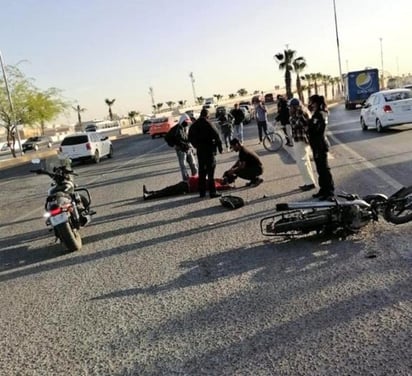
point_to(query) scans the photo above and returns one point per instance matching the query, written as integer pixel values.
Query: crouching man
(248, 166)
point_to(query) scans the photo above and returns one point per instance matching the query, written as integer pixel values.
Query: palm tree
(110, 104)
(159, 106)
(309, 84)
(285, 61)
(170, 104)
(325, 81)
(132, 116)
(299, 64)
(232, 95)
(182, 102)
(79, 110)
(200, 100)
(218, 97)
(242, 92)
(333, 81)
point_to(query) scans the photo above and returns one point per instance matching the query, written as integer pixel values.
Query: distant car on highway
(387, 108)
(36, 143)
(160, 126)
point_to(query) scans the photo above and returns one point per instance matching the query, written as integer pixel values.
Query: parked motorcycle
(67, 206)
(345, 216)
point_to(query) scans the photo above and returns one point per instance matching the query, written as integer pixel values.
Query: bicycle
(273, 139)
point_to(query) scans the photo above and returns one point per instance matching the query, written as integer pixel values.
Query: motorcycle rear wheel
(69, 237)
(399, 210)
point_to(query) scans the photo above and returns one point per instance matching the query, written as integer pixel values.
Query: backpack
(170, 136)
(232, 202)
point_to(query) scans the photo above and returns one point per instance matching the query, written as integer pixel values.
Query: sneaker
(215, 195)
(256, 182)
(307, 187)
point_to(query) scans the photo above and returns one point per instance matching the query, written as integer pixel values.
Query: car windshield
(75, 140)
(159, 120)
(398, 95)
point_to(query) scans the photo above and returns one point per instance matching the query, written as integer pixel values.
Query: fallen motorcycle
(345, 216)
(67, 206)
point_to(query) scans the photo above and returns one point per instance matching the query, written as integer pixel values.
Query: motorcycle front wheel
(399, 209)
(69, 237)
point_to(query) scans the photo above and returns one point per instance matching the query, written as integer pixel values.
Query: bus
(108, 127)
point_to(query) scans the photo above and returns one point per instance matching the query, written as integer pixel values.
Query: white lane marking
(363, 162)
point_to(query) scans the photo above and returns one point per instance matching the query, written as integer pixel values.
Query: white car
(86, 146)
(387, 108)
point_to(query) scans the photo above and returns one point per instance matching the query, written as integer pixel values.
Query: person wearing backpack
(184, 150)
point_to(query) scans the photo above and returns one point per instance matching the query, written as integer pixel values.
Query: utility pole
(14, 125)
(153, 101)
(193, 87)
(382, 74)
(338, 46)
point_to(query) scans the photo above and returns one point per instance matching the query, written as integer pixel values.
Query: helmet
(294, 102)
(184, 118)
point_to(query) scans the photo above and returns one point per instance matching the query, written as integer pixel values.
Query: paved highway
(185, 287)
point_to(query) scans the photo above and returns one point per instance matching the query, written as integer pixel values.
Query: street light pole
(153, 101)
(337, 44)
(14, 125)
(382, 74)
(193, 86)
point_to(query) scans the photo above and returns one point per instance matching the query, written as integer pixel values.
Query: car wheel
(379, 127)
(363, 124)
(36, 147)
(110, 155)
(96, 157)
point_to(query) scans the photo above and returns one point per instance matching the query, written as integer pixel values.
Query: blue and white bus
(108, 127)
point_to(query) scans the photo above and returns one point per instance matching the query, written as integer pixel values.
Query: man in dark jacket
(238, 118)
(283, 117)
(248, 166)
(205, 138)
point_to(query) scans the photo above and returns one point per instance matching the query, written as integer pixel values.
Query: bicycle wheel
(272, 142)
(399, 210)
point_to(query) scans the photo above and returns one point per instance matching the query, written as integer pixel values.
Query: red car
(160, 126)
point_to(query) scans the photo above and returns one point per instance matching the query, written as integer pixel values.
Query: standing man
(238, 117)
(283, 117)
(205, 138)
(261, 119)
(183, 148)
(248, 166)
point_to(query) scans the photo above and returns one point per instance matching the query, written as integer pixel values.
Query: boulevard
(183, 286)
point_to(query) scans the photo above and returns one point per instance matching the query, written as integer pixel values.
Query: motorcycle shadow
(22, 256)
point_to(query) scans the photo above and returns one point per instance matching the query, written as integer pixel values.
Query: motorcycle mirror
(35, 161)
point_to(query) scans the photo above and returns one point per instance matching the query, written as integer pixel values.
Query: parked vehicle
(256, 99)
(146, 126)
(67, 206)
(221, 110)
(160, 126)
(268, 98)
(36, 143)
(86, 146)
(387, 108)
(249, 109)
(343, 217)
(359, 85)
(248, 117)
(209, 103)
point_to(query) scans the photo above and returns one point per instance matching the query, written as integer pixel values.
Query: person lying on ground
(248, 166)
(183, 187)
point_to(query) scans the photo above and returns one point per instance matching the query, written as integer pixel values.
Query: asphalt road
(185, 287)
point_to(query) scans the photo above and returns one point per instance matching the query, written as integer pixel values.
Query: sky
(97, 49)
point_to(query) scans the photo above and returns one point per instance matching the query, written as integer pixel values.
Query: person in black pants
(204, 136)
(320, 147)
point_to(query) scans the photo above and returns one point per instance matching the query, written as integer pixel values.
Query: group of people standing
(304, 127)
(205, 138)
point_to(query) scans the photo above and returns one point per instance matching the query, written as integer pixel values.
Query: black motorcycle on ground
(345, 216)
(67, 206)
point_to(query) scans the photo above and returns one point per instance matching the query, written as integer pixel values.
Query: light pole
(13, 120)
(153, 101)
(337, 44)
(382, 75)
(193, 87)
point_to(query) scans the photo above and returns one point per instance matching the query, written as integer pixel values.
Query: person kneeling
(248, 166)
